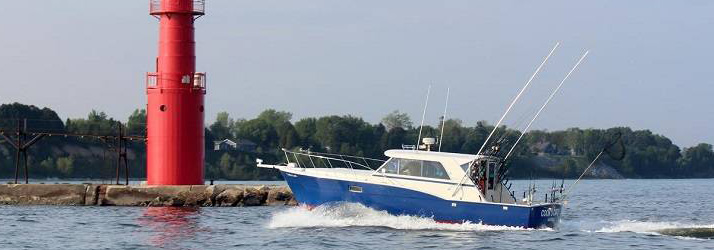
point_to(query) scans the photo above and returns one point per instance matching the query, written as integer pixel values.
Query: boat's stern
(545, 215)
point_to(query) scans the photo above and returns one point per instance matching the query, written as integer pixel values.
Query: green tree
(276, 118)
(225, 163)
(394, 139)
(222, 127)
(397, 119)
(306, 129)
(43, 119)
(65, 165)
(697, 161)
(97, 123)
(288, 136)
(649, 155)
(260, 132)
(136, 124)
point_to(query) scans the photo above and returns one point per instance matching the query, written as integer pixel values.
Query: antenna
(443, 118)
(506, 113)
(423, 115)
(546, 104)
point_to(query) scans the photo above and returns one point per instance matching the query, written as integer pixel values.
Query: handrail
(349, 156)
(310, 155)
(198, 7)
(198, 81)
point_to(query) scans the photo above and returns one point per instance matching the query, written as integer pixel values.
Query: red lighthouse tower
(175, 133)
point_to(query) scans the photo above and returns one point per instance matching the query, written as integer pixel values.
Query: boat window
(392, 166)
(355, 189)
(429, 169)
(432, 169)
(410, 167)
(465, 166)
(491, 169)
(491, 174)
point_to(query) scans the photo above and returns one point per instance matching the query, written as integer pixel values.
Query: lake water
(602, 214)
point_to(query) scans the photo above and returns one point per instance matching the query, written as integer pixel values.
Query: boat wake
(660, 228)
(357, 215)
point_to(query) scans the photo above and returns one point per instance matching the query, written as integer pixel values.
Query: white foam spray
(357, 215)
(646, 226)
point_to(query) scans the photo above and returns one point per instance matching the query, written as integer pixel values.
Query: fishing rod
(461, 182)
(583, 174)
(545, 104)
(606, 149)
(504, 169)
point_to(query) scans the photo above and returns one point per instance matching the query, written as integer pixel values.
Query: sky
(649, 67)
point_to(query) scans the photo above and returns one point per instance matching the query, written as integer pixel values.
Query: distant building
(543, 148)
(243, 145)
(224, 145)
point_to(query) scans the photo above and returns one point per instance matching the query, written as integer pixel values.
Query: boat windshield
(420, 168)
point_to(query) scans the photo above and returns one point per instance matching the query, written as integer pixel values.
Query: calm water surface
(602, 214)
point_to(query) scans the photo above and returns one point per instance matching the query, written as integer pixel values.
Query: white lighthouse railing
(153, 80)
(198, 7)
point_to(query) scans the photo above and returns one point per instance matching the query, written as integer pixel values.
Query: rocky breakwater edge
(222, 195)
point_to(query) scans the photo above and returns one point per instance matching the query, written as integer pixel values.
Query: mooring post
(24, 161)
(17, 147)
(118, 161)
(126, 169)
(17, 165)
(123, 148)
(24, 149)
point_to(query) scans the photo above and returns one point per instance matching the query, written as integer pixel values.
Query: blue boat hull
(314, 191)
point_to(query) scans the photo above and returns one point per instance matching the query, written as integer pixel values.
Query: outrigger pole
(504, 115)
(443, 118)
(545, 104)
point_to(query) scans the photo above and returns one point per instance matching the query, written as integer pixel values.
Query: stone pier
(221, 195)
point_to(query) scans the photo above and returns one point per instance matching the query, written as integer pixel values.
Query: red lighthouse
(175, 133)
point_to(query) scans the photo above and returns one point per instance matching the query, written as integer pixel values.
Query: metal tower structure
(175, 112)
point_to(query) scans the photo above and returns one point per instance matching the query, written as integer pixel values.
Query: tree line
(563, 153)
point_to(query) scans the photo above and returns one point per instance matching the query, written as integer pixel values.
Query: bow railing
(307, 159)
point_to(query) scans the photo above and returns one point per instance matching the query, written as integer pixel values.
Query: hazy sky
(650, 62)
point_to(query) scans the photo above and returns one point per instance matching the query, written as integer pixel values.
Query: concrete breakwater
(222, 195)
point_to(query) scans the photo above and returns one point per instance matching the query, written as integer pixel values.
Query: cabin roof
(226, 141)
(427, 155)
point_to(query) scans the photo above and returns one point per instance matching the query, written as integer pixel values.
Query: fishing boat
(418, 181)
